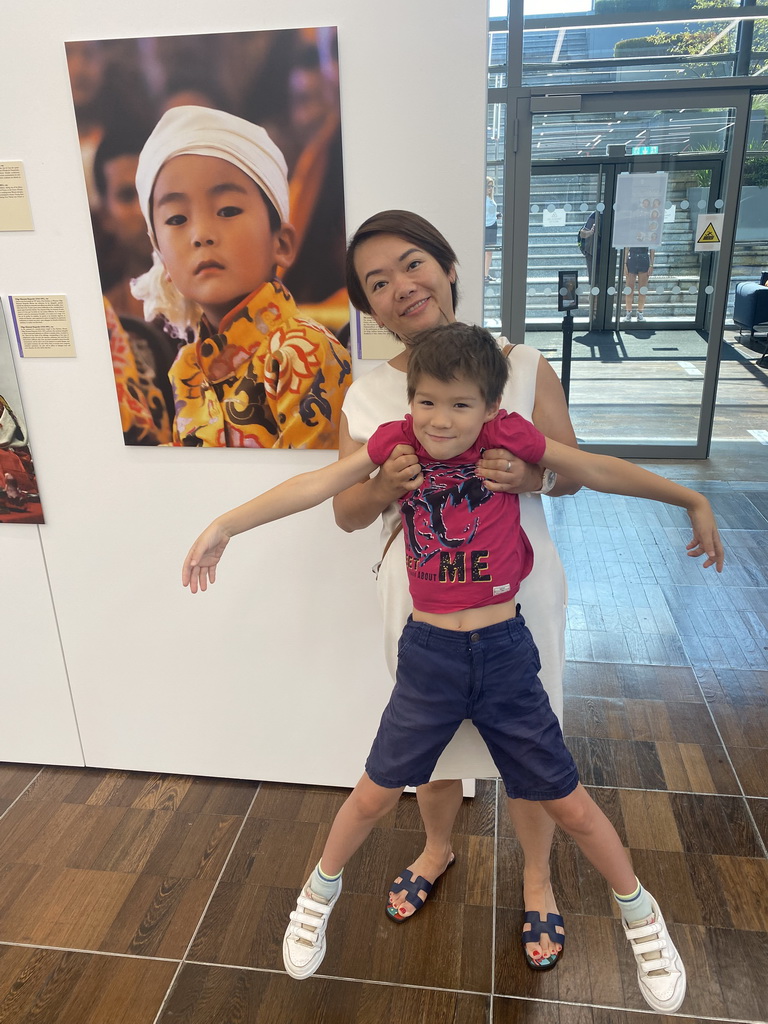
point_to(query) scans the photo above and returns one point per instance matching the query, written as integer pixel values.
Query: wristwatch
(548, 481)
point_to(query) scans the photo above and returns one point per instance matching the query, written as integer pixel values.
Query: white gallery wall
(105, 660)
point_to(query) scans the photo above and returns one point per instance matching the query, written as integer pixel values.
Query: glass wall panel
(629, 53)
(496, 131)
(648, 50)
(631, 133)
(568, 8)
(755, 44)
(641, 373)
(630, 224)
(758, 64)
(750, 251)
(497, 59)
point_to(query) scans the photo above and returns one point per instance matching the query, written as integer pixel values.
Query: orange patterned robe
(143, 412)
(268, 378)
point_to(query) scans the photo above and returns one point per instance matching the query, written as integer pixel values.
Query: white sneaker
(304, 940)
(661, 979)
(628, 315)
(640, 315)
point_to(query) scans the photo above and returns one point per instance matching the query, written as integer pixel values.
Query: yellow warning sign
(709, 234)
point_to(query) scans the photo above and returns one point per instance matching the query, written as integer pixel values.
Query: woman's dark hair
(458, 352)
(412, 228)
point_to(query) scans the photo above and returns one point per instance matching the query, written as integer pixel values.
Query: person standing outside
(587, 242)
(491, 228)
(638, 267)
(588, 239)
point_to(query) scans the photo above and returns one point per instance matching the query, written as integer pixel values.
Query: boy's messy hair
(453, 351)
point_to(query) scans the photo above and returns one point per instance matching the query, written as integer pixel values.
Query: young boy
(214, 192)
(466, 652)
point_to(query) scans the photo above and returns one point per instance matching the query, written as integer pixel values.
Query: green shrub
(684, 42)
(756, 171)
(645, 46)
(608, 6)
(646, 6)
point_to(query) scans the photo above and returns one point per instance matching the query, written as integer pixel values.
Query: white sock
(322, 885)
(636, 907)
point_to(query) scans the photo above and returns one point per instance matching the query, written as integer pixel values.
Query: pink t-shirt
(464, 545)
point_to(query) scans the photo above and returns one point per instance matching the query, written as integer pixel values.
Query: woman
(491, 228)
(401, 271)
(587, 242)
(638, 267)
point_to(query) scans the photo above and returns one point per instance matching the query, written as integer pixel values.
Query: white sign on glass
(639, 215)
(553, 218)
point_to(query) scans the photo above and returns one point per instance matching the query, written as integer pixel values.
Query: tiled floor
(136, 899)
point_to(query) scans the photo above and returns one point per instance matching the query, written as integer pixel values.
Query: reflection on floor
(640, 384)
(142, 899)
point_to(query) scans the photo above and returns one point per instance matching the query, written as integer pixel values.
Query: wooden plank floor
(128, 898)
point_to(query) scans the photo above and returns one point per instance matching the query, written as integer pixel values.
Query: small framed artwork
(567, 289)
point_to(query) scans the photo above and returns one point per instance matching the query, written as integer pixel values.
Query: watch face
(548, 481)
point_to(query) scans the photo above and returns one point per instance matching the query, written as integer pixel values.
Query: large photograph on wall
(19, 494)
(213, 166)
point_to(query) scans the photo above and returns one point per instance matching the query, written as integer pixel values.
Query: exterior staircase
(674, 284)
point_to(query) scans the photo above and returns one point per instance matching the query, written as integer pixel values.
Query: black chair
(750, 313)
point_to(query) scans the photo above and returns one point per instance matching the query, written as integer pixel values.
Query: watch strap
(548, 481)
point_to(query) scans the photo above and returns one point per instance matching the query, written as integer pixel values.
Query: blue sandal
(537, 927)
(413, 886)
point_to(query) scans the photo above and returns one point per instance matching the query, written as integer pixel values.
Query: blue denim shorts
(488, 675)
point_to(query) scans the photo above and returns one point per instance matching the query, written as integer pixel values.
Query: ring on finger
(509, 464)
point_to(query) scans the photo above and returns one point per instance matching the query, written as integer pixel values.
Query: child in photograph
(466, 652)
(213, 189)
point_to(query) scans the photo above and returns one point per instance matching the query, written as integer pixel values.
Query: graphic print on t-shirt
(464, 544)
(442, 516)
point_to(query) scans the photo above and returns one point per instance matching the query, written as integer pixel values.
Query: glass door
(566, 228)
(572, 222)
(637, 202)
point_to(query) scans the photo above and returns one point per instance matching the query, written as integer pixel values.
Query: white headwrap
(201, 131)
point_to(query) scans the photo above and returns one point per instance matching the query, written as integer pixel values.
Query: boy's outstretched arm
(616, 476)
(293, 495)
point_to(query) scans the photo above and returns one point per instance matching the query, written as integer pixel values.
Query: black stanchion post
(567, 300)
(565, 372)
